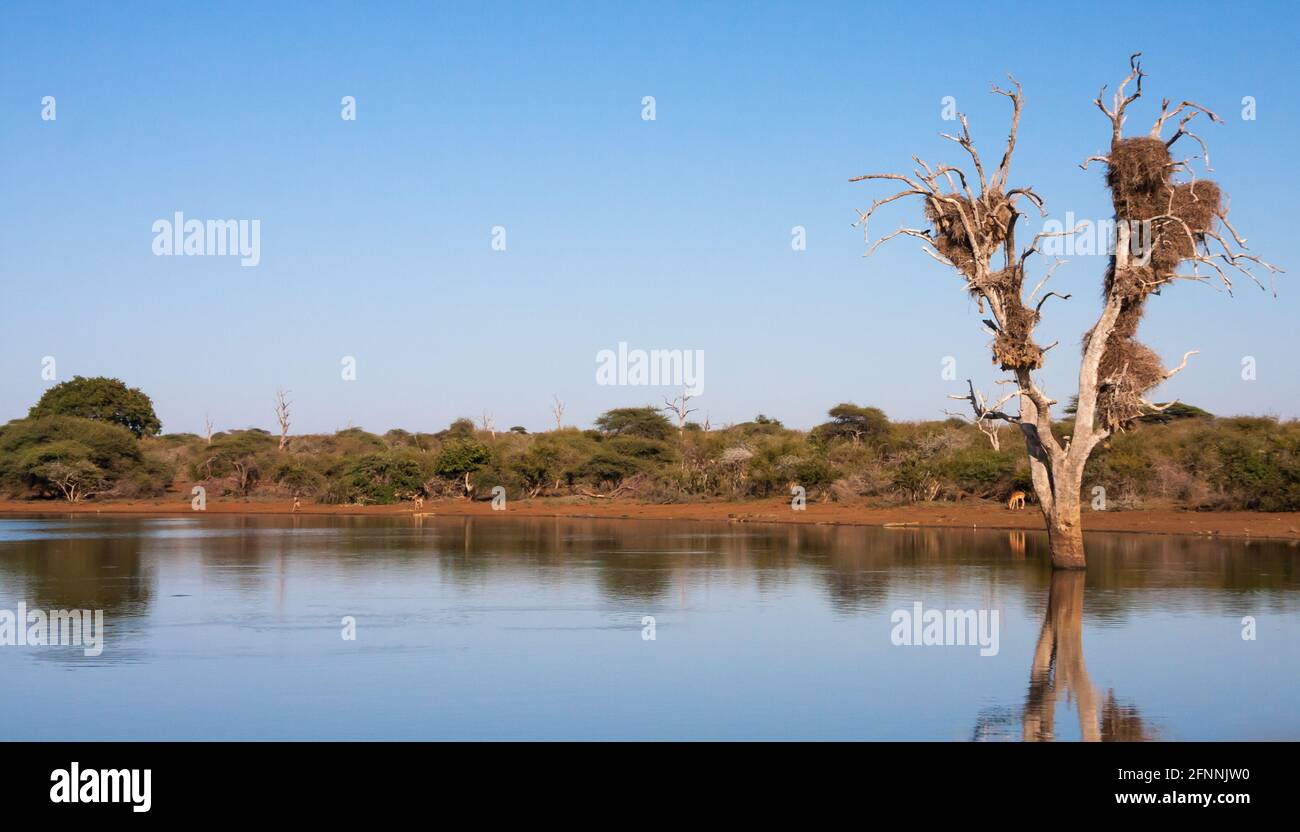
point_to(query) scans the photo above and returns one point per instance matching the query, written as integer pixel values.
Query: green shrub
(380, 479)
(67, 456)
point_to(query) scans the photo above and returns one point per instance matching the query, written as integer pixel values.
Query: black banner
(139, 781)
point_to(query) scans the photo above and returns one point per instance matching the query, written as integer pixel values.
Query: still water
(234, 628)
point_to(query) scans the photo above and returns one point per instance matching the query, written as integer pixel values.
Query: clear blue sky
(673, 233)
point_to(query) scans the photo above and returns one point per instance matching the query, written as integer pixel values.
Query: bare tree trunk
(1065, 533)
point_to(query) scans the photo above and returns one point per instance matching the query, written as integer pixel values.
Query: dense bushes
(384, 477)
(1195, 461)
(74, 458)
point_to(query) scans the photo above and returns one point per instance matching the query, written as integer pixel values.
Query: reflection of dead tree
(678, 407)
(282, 416)
(557, 410)
(1058, 667)
(1058, 671)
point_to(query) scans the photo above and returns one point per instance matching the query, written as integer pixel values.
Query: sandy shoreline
(1238, 524)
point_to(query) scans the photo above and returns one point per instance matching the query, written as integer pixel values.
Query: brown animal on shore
(296, 504)
(1017, 500)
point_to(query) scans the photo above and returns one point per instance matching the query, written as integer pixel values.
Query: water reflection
(1059, 670)
(530, 627)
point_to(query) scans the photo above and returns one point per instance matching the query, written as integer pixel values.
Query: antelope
(297, 504)
(1017, 500)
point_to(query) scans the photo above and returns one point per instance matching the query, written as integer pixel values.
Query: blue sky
(672, 233)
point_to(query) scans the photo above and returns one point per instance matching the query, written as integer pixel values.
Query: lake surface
(234, 628)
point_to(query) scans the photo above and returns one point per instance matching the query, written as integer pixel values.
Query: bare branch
(1179, 368)
(1050, 271)
(1165, 115)
(1017, 102)
(1039, 307)
(1119, 103)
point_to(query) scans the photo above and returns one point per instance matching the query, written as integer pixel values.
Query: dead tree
(678, 407)
(1160, 225)
(282, 404)
(557, 410)
(207, 428)
(489, 424)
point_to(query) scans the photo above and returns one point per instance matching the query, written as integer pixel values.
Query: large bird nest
(1013, 348)
(990, 216)
(1127, 371)
(1140, 177)
(1187, 212)
(1133, 283)
(1138, 173)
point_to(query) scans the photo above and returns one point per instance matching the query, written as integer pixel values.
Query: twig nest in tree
(1133, 283)
(1139, 167)
(1016, 354)
(1012, 348)
(1197, 204)
(1128, 369)
(1130, 315)
(989, 217)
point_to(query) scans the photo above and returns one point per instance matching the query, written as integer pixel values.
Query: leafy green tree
(66, 456)
(459, 459)
(849, 421)
(646, 422)
(241, 456)
(100, 399)
(609, 467)
(382, 478)
(538, 467)
(462, 428)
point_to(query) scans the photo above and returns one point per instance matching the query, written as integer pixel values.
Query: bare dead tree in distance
(973, 231)
(678, 407)
(557, 410)
(282, 404)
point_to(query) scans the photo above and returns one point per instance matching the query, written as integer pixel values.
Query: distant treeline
(97, 439)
